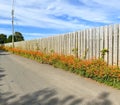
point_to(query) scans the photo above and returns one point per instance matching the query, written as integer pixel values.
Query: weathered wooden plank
(55, 44)
(69, 47)
(115, 44)
(106, 46)
(79, 42)
(86, 45)
(67, 43)
(72, 44)
(58, 45)
(90, 44)
(92, 40)
(110, 44)
(97, 43)
(93, 44)
(101, 40)
(82, 44)
(76, 43)
(62, 44)
(119, 46)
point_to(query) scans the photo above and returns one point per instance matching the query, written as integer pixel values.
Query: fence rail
(84, 44)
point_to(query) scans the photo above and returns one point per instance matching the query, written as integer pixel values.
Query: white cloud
(40, 13)
(40, 16)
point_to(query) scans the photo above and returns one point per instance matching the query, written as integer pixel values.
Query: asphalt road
(26, 82)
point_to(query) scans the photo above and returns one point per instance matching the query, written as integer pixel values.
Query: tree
(9, 39)
(17, 37)
(3, 38)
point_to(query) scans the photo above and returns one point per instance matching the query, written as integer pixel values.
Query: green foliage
(85, 53)
(17, 37)
(44, 50)
(75, 51)
(52, 51)
(9, 39)
(103, 53)
(37, 47)
(3, 38)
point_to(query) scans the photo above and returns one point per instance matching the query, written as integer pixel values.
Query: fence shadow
(2, 74)
(102, 99)
(50, 97)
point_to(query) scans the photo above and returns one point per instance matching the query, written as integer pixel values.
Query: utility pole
(13, 24)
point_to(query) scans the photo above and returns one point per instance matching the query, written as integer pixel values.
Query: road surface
(26, 82)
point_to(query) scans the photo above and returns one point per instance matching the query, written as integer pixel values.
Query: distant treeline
(17, 37)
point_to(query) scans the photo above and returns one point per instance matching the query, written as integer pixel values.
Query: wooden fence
(85, 44)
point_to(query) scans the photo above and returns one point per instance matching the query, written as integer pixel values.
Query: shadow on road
(51, 97)
(102, 99)
(3, 53)
(2, 74)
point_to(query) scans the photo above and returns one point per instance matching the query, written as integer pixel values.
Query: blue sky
(42, 18)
